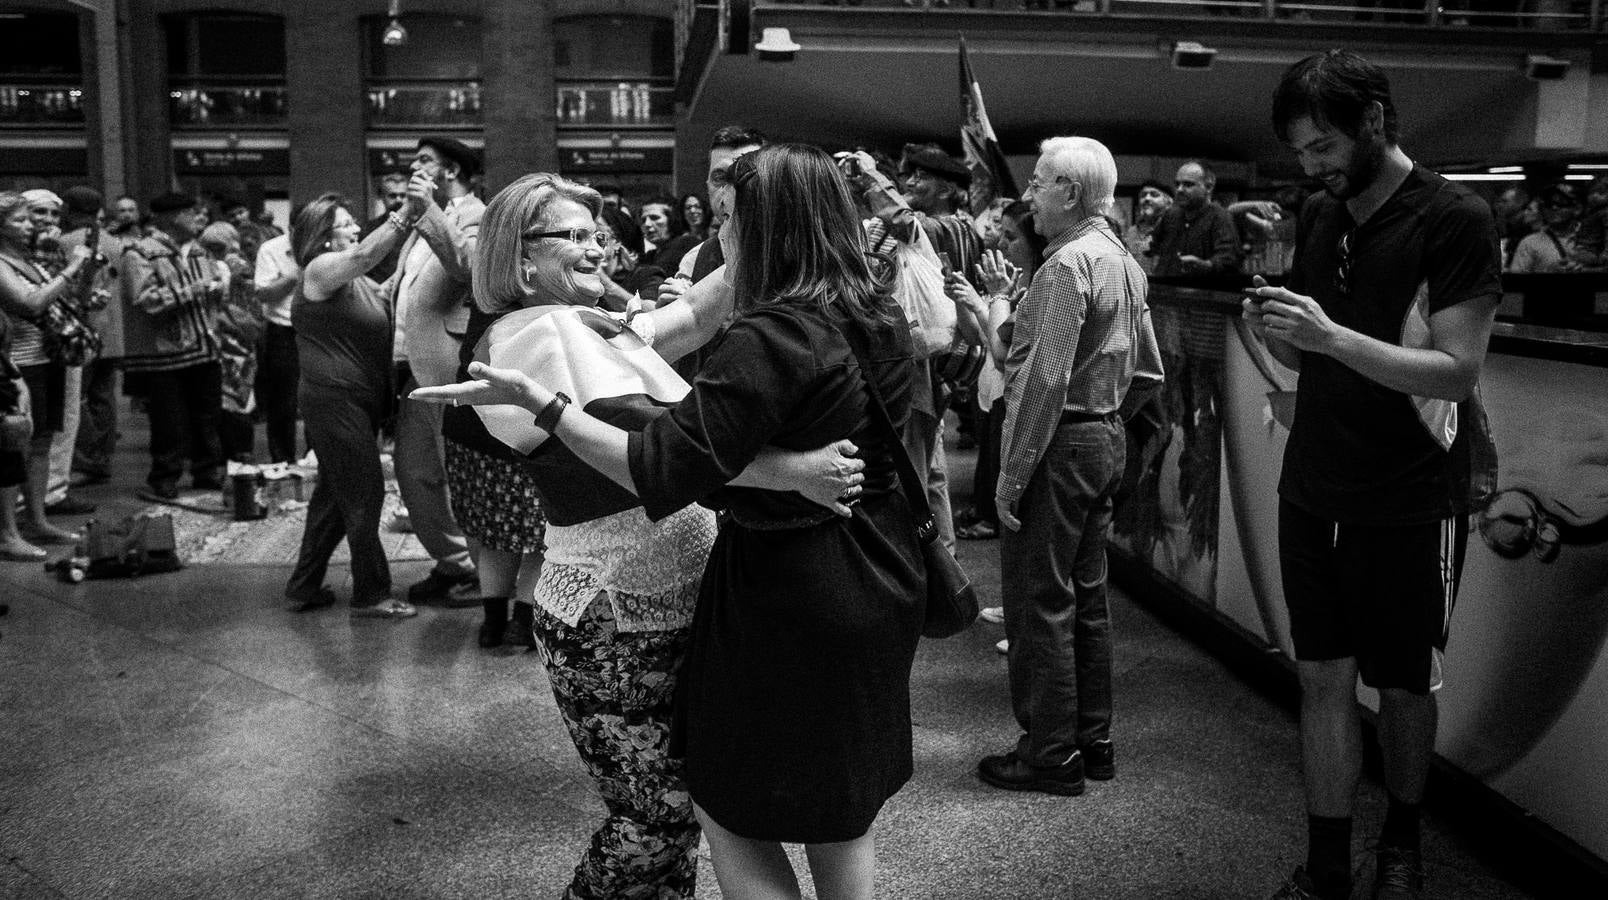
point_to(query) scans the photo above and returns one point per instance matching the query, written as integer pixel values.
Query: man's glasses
(575, 236)
(1034, 185)
(1342, 269)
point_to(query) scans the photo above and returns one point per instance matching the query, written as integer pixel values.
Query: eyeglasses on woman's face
(579, 236)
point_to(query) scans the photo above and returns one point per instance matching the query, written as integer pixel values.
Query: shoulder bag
(951, 599)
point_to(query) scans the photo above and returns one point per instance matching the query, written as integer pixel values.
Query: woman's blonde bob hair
(499, 272)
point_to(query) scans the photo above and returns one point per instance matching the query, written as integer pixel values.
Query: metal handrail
(1431, 15)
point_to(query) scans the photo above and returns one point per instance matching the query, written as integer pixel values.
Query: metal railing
(41, 105)
(1543, 15)
(203, 106)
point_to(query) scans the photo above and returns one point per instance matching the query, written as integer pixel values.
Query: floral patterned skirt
(494, 500)
(614, 689)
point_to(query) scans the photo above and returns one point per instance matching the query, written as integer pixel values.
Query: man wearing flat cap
(431, 296)
(90, 459)
(935, 186)
(171, 294)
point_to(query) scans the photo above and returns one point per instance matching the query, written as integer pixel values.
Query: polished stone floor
(183, 735)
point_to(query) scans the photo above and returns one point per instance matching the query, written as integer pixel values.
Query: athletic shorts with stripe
(1380, 593)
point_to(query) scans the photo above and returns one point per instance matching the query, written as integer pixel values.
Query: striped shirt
(1082, 337)
(164, 284)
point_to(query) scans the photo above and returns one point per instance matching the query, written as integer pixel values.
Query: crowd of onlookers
(207, 376)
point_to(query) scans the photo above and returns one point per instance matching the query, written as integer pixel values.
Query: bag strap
(915, 487)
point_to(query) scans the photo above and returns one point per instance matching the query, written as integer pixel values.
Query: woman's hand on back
(830, 476)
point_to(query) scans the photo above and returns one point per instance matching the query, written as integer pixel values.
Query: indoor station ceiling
(858, 85)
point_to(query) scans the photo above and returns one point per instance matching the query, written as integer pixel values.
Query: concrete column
(150, 150)
(518, 90)
(324, 90)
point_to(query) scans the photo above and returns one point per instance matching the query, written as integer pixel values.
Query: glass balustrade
(41, 105)
(620, 104)
(206, 106)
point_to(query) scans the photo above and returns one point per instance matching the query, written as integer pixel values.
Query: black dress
(794, 706)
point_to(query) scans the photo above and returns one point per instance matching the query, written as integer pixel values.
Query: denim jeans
(1053, 574)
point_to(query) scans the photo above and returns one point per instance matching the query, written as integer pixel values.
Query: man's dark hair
(736, 136)
(1335, 89)
(678, 225)
(625, 228)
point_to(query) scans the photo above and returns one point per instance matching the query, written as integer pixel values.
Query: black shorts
(1380, 593)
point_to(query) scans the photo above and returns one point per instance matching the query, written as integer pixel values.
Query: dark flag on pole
(991, 177)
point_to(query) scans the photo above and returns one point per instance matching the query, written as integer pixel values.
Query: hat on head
(931, 159)
(456, 152)
(40, 197)
(172, 201)
(220, 235)
(1559, 195)
(1152, 183)
(83, 200)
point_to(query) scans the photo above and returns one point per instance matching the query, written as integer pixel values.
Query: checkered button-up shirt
(1082, 338)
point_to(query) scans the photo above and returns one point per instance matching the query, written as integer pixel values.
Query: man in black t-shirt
(1387, 314)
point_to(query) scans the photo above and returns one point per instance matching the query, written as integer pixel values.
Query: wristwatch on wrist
(547, 419)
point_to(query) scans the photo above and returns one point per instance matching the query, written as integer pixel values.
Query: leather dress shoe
(1011, 773)
(1099, 761)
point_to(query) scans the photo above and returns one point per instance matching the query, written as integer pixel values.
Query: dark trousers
(278, 381)
(1054, 590)
(184, 406)
(238, 435)
(985, 478)
(96, 442)
(342, 429)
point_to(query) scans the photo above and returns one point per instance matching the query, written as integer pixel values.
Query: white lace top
(650, 571)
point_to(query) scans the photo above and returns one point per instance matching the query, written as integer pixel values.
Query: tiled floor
(184, 736)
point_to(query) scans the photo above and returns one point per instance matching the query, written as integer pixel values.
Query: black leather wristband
(547, 419)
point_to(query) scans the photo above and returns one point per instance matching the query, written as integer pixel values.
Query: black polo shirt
(1360, 452)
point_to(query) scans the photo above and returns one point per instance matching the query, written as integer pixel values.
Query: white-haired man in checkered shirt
(1082, 345)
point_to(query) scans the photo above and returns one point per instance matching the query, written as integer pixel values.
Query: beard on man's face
(1367, 161)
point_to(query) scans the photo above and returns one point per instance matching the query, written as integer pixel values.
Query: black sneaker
(70, 506)
(165, 490)
(1099, 760)
(1300, 887)
(1008, 771)
(453, 590)
(1399, 874)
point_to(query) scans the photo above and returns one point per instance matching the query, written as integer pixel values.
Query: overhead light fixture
(1538, 67)
(394, 35)
(776, 45)
(1192, 55)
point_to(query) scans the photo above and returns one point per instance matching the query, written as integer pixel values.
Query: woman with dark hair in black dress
(794, 704)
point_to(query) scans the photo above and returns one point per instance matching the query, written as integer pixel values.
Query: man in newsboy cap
(430, 294)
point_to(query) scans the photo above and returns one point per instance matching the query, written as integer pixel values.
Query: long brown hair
(799, 238)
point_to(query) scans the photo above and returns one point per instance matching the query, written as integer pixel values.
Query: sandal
(21, 551)
(385, 609)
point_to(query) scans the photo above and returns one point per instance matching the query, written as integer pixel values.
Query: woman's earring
(530, 273)
(329, 245)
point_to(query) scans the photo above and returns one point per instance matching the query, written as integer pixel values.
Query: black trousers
(342, 427)
(278, 380)
(184, 405)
